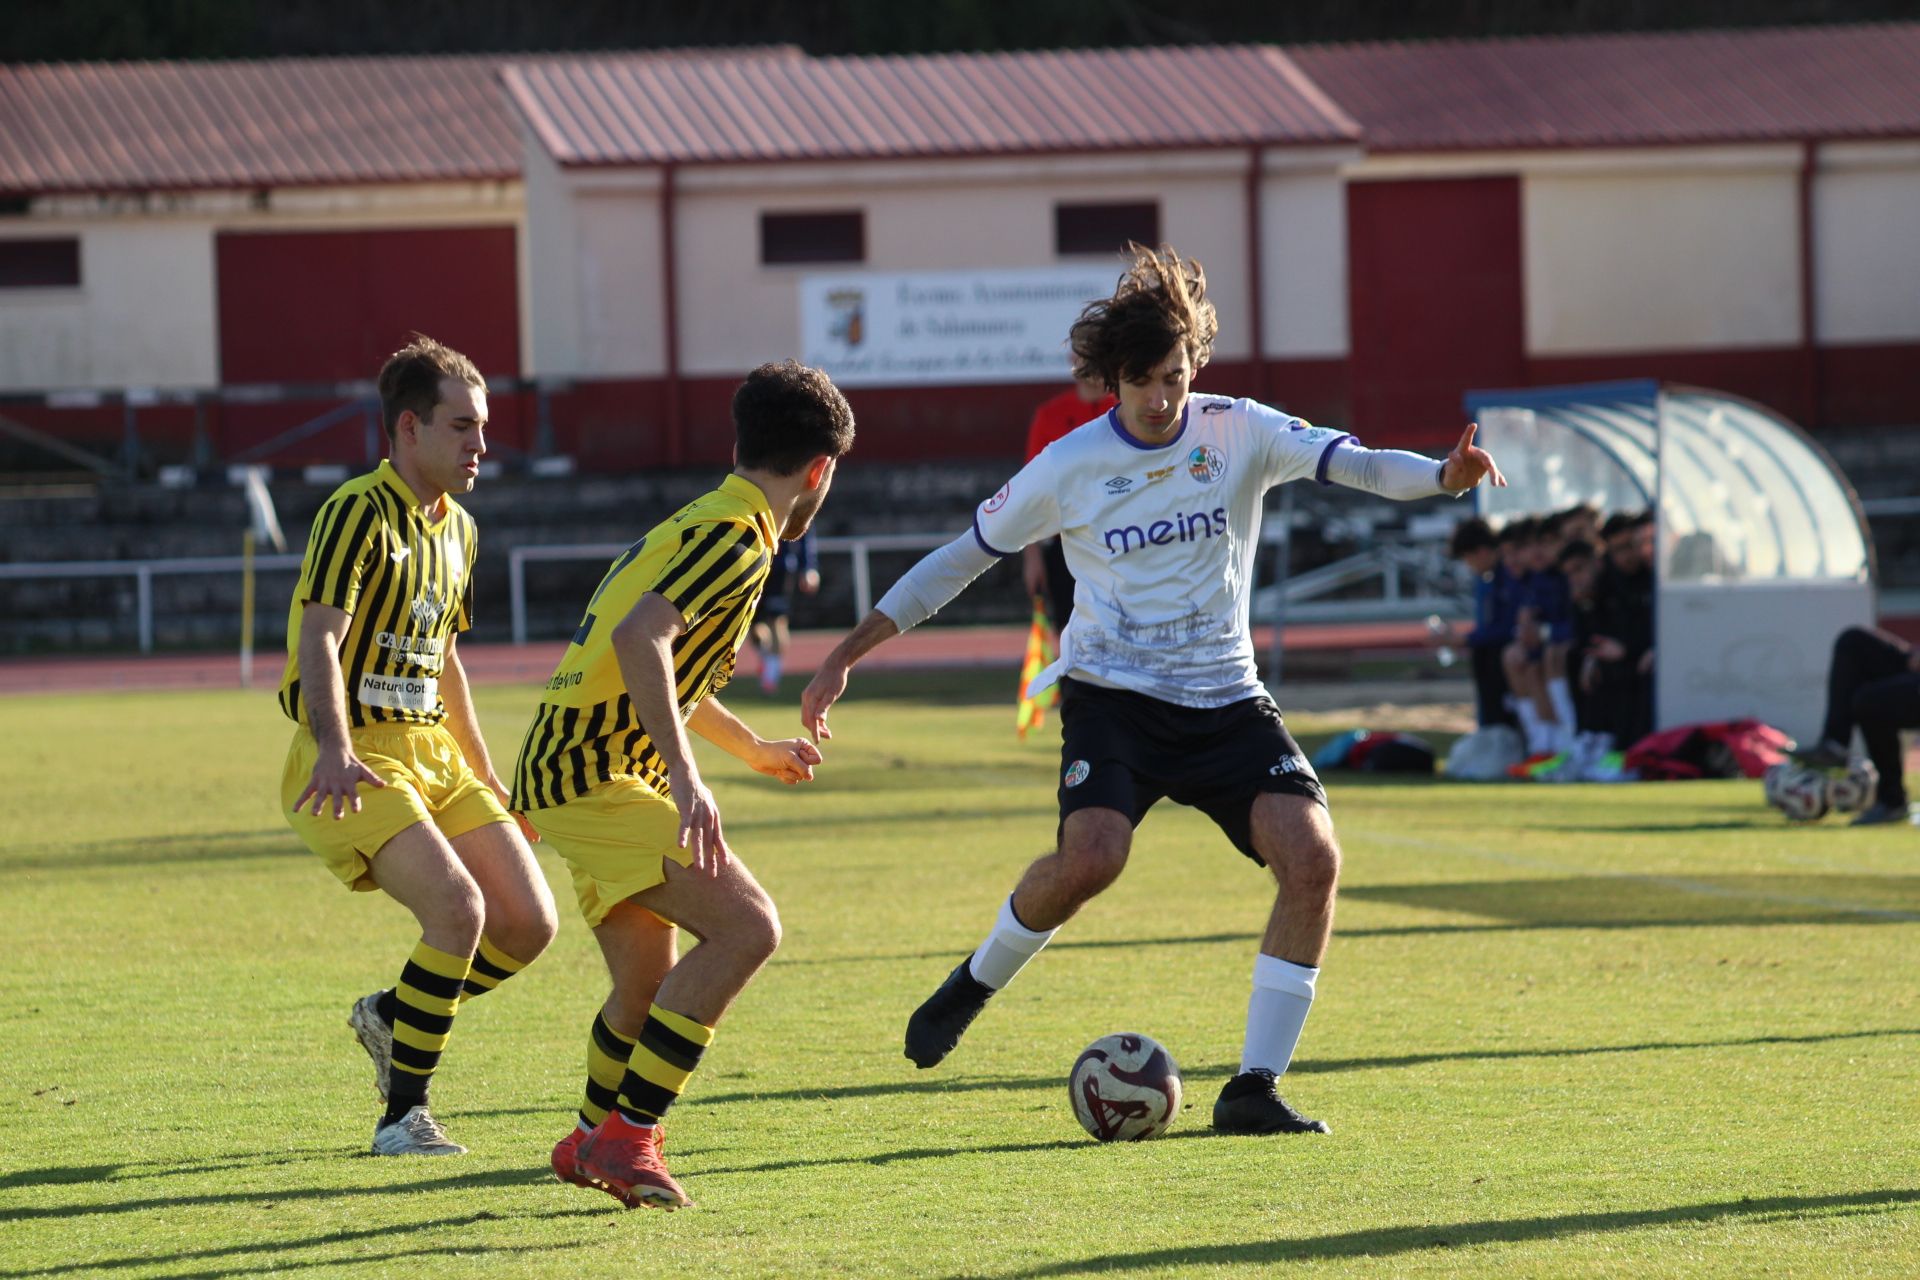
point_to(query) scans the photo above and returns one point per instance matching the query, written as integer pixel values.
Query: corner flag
(1032, 712)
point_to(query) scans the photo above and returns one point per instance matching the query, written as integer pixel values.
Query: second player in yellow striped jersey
(608, 777)
(708, 561)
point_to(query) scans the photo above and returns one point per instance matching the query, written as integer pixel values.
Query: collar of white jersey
(1113, 420)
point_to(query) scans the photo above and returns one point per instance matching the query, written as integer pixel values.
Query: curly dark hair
(787, 414)
(1160, 302)
(411, 377)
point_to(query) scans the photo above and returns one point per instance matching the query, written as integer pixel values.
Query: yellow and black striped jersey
(407, 582)
(709, 561)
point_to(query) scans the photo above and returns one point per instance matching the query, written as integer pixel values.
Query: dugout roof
(1743, 495)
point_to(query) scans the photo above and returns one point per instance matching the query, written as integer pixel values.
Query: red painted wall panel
(1437, 304)
(1870, 386)
(1776, 377)
(326, 306)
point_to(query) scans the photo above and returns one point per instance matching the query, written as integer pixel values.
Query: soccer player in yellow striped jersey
(608, 779)
(388, 778)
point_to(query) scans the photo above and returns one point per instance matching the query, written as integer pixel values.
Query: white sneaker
(376, 1037)
(416, 1133)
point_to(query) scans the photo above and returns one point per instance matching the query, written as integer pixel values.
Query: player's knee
(455, 917)
(758, 933)
(1309, 866)
(1094, 865)
(525, 933)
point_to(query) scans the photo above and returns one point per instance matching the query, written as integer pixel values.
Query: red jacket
(1060, 415)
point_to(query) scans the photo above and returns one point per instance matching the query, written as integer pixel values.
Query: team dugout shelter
(1763, 554)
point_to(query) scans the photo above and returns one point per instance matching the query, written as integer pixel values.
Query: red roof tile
(197, 126)
(649, 111)
(1628, 90)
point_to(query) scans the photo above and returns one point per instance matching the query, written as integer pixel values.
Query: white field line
(1669, 882)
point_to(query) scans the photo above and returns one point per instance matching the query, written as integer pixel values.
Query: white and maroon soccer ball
(1852, 791)
(1798, 792)
(1125, 1087)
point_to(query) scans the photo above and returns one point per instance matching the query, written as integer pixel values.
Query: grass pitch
(1563, 1031)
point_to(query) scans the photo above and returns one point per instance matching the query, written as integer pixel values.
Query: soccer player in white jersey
(1157, 504)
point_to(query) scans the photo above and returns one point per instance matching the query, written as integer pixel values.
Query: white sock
(1007, 949)
(1282, 995)
(770, 669)
(1561, 694)
(1531, 726)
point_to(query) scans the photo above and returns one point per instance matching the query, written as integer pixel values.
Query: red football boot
(623, 1160)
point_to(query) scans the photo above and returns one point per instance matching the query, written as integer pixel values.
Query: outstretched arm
(940, 575)
(1398, 474)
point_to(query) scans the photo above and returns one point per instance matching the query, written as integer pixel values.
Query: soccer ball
(1853, 790)
(1125, 1087)
(1797, 791)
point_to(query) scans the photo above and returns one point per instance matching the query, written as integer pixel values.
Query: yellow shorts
(616, 839)
(427, 781)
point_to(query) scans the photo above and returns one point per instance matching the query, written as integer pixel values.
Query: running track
(923, 647)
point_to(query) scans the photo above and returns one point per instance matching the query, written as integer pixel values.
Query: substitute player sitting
(388, 778)
(1158, 508)
(607, 777)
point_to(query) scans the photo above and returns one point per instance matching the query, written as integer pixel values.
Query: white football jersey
(1161, 541)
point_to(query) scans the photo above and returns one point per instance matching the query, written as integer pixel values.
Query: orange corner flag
(1032, 713)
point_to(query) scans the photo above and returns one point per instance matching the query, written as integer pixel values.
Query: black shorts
(771, 607)
(1124, 750)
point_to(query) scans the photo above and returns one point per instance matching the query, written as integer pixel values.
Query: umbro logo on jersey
(1119, 484)
(400, 555)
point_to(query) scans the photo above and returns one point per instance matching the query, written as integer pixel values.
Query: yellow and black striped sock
(424, 1005)
(491, 967)
(607, 1054)
(668, 1050)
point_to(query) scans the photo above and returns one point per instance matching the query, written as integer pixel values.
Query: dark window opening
(813, 237)
(39, 264)
(1082, 229)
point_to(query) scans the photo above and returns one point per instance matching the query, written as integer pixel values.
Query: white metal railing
(859, 548)
(1286, 598)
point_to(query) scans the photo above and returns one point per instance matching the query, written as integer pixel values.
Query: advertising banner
(875, 329)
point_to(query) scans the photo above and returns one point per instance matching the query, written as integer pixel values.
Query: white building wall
(146, 313)
(928, 216)
(1670, 260)
(1303, 239)
(142, 315)
(1866, 243)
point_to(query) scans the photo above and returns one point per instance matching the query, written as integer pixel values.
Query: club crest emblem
(1076, 773)
(1206, 464)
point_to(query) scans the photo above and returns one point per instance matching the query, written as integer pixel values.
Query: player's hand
(810, 582)
(828, 683)
(1645, 665)
(1033, 576)
(790, 759)
(1468, 464)
(699, 823)
(1606, 648)
(337, 776)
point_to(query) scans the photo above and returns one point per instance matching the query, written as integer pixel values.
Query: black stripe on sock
(646, 1101)
(433, 1024)
(601, 1096)
(670, 1046)
(610, 1044)
(431, 983)
(419, 1060)
(486, 968)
